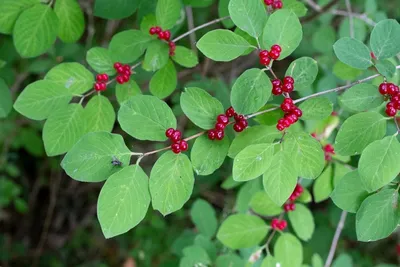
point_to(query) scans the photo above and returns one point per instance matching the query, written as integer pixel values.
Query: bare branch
(336, 239)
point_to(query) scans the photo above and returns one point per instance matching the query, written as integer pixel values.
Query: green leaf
(302, 222)
(283, 28)
(251, 40)
(323, 186)
(317, 260)
(223, 12)
(386, 68)
(99, 115)
(379, 163)
(185, 57)
(125, 91)
(349, 192)
(156, 57)
(168, 12)
(63, 129)
(41, 98)
(251, 91)
(297, 7)
(259, 134)
(281, 178)
(193, 256)
(90, 159)
(128, 46)
(303, 70)
(229, 260)
(378, 216)
(345, 72)
(385, 39)
(117, 9)
(200, 107)
(353, 53)
(164, 82)
(362, 97)
(270, 118)
(358, 131)
(242, 231)
(288, 251)
(360, 29)
(5, 99)
(99, 59)
(222, 45)
(171, 182)
(123, 201)
(252, 162)
(204, 217)
(305, 197)
(229, 183)
(146, 118)
(246, 192)
(307, 154)
(147, 23)
(198, 3)
(208, 245)
(269, 261)
(35, 30)
(262, 204)
(323, 39)
(9, 12)
(72, 22)
(248, 15)
(317, 108)
(74, 77)
(208, 155)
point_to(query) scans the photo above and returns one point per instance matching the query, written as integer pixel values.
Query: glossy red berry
(277, 90)
(120, 79)
(212, 134)
(274, 54)
(239, 117)
(290, 119)
(97, 87)
(268, 2)
(237, 127)
(265, 61)
(161, 35)
(299, 189)
(288, 100)
(276, 48)
(223, 119)
(286, 107)
(396, 104)
(183, 145)
(289, 207)
(169, 132)
(105, 77)
(176, 148)
(158, 29)
(277, 5)
(243, 123)
(280, 127)
(230, 112)
(152, 30)
(329, 148)
(220, 126)
(167, 35)
(171, 44)
(391, 112)
(176, 136)
(171, 53)
(282, 225)
(287, 87)
(276, 83)
(383, 88)
(103, 86)
(117, 65)
(99, 77)
(125, 77)
(220, 135)
(298, 112)
(294, 117)
(263, 53)
(288, 79)
(120, 70)
(392, 89)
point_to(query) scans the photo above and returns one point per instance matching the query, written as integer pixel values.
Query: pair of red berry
(124, 72)
(289, 207)
(279, 88)
(329, 151)
(266, 56)
(178, 145)
(292, 114)
(101, 82)
(164, 35)
(223, 120)
(275, 4)
(277, 224)
(392, 92)
(298, 190)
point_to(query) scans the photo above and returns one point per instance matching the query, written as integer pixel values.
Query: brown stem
(317, 13)
(336, 239)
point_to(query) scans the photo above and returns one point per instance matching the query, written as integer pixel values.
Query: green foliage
(100, 60)
(5, 100)
(316, 108)
(303, 70)
(361, 97)
(288, 251)
(302, 221)
(164, 81)
(353, 53)
(128, 46)
(168, 12)
(185, 57)
(204, 218)
(385, 38)
(71, 20)
(115, 10)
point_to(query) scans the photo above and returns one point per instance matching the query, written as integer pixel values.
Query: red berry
(396, 104)
(286, 107)
(169, 132)
(274, 223)
(392, 89)
(391, 112)
(220, 126)
(97, 86)
(290, 119)
(220, 135)
(292, 206)
(265, 61)
(288, 79)
(277, 90)
(282, 225)
(299, 189)
(120, 79)
(117, 65)
(103, 86)
(167, 35)
(395, 98)
(152, 30)
(276, 83)
(280, 127)
(158, 29)
(329, 148)
(176, 136)
(285, 123)
(277, 5)
(298, 112)
(125, 77)
(127, 73)
(105, 77)
(294, 117)
(383, 88)
(212, 134)
(286, 207)
(288, 100)
(99, 77)
(172, 44)
(120, 70)
(223, 119)
(276, 48)
(230, 112)
(239, 117)
(263, 53)
(243, 123)
(171, 53)
(183, 145)
(176, 148)
(288, 87)
(237, 127)
(274, 54)
(398, 249)
(372, 55)
(161, 35)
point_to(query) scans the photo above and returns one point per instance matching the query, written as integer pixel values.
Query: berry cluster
(266, 56)
(178, 145)
(329, 151)
(392, 92)
(279, 87)
(276, 4)
(101, 82)
(124, 72)
(277, 224)
(292, 114)
(164, 35)
(298, 190)
(223, 120)
(289, 207)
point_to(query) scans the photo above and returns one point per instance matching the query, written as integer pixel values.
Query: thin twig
(363, 17)
(192, 36)
(335, 240)
(319, 12)
(351, 22)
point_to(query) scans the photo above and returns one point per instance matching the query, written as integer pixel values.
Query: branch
(351, 22)
(192, 36)
(336, 239)
(317, 13)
